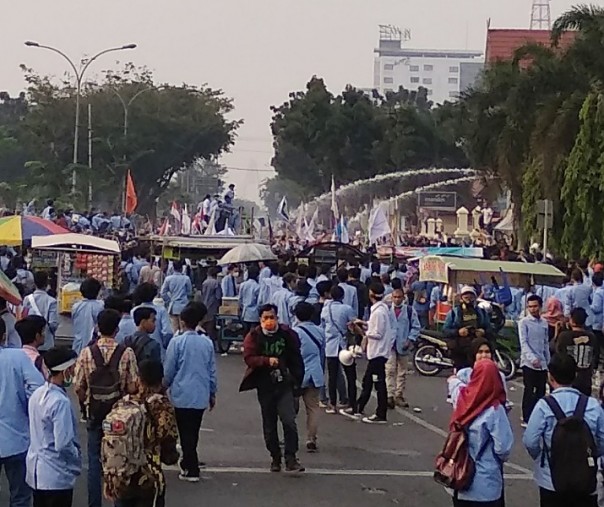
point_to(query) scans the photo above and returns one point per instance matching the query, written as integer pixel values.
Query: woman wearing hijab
(480, 408)
(554, 315)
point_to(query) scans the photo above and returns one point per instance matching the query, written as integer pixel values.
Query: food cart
(73, 258)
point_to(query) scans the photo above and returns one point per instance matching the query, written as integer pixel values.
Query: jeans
(375, 374)
(53, 498)
(95, 493)
(278, 403)
(534, 389)
(188, 421)
(14, 467)
(552, 499)
(333, 368)
(341, 389)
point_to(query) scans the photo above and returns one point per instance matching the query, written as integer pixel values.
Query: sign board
(440, 201)
(433, 269)
(44, 259)
(170, 253)
(545, 214)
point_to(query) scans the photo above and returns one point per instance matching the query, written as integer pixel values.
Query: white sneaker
(347, 412)
(330, 410)
(374, 419)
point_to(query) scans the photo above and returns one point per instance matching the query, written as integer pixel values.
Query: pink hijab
(554, 312)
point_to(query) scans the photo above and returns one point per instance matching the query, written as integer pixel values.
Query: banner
(433, 269)
(413, 251)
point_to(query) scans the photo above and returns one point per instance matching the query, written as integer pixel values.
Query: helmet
(346, 357)
(468, 289)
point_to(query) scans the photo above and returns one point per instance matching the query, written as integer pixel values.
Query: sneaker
(330, 410)
(524, 425)
(401, 402)
(293, 465)
(374, 419)
(342, 405)
(323, 404)
(202, 464)
(312, 447)
(188, 477)
(347, 412)
(276, 465)
(390, 403)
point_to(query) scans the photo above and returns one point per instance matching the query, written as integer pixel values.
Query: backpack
(138, 346)
(573, 454)
(455, 468)
(123, 445)
(104, 383)
(39, 364)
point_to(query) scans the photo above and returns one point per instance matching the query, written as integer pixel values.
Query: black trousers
(53, 498)
(188, 421)
(598, 350)
(375, 374)
(143, 501)
(333, 366)
(277, 403)
(534, 389)
(553, 499)
(469, 503)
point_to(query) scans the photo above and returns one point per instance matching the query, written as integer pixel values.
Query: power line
(248, 169)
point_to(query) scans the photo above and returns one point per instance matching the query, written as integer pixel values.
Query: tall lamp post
(79, 79)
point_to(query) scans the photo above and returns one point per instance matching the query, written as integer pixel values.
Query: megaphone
(346, 357)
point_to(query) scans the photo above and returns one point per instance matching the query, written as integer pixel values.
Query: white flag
(301, 220)
(334, 203)
(211, 228)
(378, 225)
(186, 221)
(283, 209)
(344, 237)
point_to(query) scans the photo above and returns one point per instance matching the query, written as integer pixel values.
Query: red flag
(131, 199)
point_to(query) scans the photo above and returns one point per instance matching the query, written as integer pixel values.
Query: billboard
(442, 201)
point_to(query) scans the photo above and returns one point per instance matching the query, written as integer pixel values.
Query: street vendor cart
(75, 257)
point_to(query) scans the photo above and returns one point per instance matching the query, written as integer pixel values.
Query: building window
(414, 68)
(427, 80)
(453, 80)
(388, 80)
(388, 66)
(429, 68)
(454, 70)
(414, 79)
(454, 95)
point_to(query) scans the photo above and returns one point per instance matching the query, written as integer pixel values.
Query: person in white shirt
(378, 341)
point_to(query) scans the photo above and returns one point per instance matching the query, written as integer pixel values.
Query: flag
(301, 220)
(334, 203)
(344, 237)
(211, 228)
(196, 225)
(165, 226)
(283, 209)
(378, 225)
(308, 232)
(186, 221)
(176, 215)
(131, 199)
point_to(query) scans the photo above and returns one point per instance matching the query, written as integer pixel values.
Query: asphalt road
(358, 465)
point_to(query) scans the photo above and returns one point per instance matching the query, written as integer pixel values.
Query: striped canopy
(15, 230)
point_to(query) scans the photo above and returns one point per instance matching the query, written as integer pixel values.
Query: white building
(440, 71)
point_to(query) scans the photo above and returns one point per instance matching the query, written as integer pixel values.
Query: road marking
(336, 472)
(439, 431)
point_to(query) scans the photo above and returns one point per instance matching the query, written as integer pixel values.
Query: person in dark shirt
(354, 279)
(324, 289)
(144, 347)
(579, 343)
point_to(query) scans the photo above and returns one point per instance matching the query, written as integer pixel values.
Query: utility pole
(90, 155)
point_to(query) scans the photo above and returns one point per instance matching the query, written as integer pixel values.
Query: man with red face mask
(275, 368)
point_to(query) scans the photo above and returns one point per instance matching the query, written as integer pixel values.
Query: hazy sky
(257, 51)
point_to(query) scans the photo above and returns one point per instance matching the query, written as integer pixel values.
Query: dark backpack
(139, 346)
(573, 454)
(104, 383)
(39, 364)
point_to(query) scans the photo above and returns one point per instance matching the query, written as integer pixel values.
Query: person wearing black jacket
(354, 279)
(275, 368)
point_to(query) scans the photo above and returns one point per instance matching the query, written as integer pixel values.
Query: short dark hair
(355, 273)
(288, 278)
(144, 293)
(113, 303)
(274, 267)
(143, 313)
(267, 308)
(377, 288)
(397, 284)
(342, 274)
(324, 287)
(578, 316)
(108, 322)
(576, 275)
(29, 327)
(534, 297)
(190, 317)
(151, 372)
(41, 279)
(563, 369)
(231, 267)
(2, 329)
(178, 266)
(337, 293)
(200, 308)
(90, 288)
(253, 272)
(598, 279)
(304, 311)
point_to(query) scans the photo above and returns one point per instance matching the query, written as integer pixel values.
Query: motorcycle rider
(465, 322)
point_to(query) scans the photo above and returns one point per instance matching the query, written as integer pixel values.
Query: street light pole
(79, 74)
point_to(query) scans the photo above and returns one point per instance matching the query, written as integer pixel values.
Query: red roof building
(502, 43)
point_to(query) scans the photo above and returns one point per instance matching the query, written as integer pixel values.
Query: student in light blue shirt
(538, 435)
(190, 375)
(312, 348)
(480, 407)
(229, 282)
(40, 303)
(84, 314)
(270, 285)
(265, 271)
(19, 378)
(127, 327)
(351, 297)
(143, 296)
(54, 458)
(248, 298)
(175, 292)
(285, 300)
(13, 340)
(578, 296)
(597, 304)
(421, 301)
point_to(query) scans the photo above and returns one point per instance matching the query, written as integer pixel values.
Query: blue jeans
(20, 492)
(95, 493)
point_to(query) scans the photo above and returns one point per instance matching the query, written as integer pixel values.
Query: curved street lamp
(79, 79)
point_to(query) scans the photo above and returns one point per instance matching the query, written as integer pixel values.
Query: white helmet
(346, 357)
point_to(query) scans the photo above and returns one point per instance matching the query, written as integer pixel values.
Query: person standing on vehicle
(480, 409)
(407, 328)
(465, 322)
(541, 445)
(533, 333)
(580, 344)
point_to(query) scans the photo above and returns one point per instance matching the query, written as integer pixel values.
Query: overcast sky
(257, 51)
